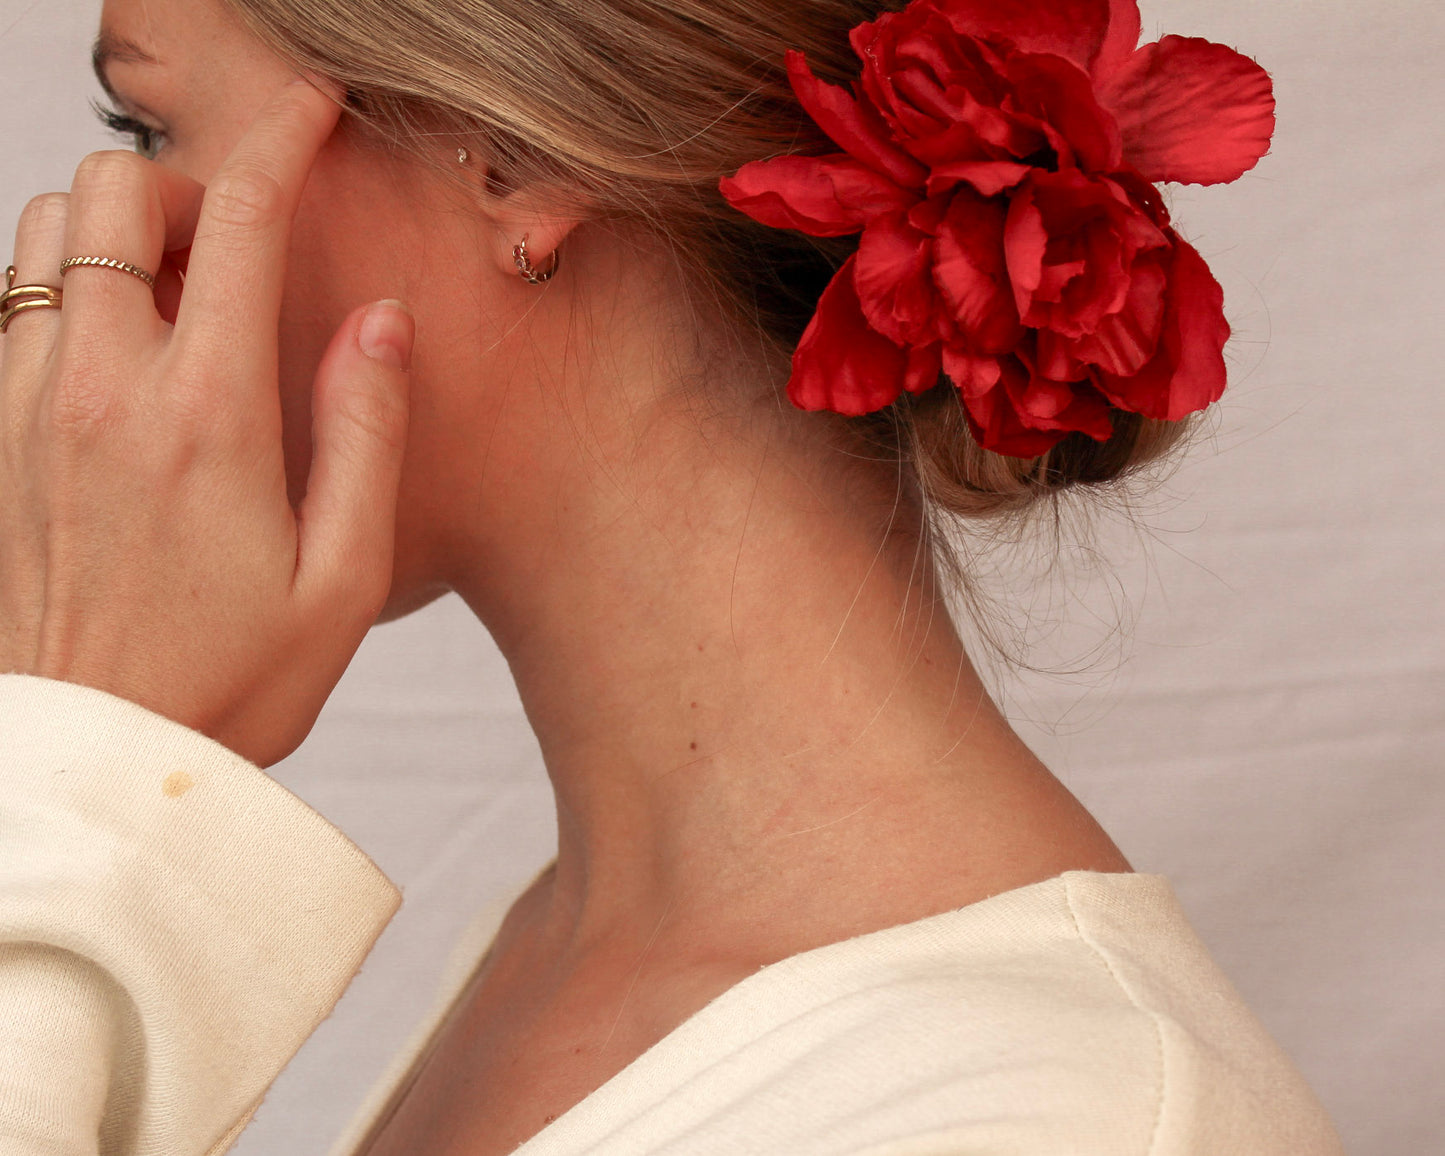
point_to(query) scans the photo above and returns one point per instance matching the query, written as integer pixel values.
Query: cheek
(333, 266)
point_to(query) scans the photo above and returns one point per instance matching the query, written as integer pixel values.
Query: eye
(148, 141)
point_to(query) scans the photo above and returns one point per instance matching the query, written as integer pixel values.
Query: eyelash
(146, 138)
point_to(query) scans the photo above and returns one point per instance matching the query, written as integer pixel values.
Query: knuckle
(369, 597)
(355, 589)
(378, 417)
(77, 415)
(244, 199)
(109, 171)
(46, 213)
(192, 410)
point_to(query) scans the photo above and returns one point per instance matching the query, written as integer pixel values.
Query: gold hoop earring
(531, 275)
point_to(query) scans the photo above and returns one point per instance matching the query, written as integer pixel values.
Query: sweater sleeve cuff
(224, 914)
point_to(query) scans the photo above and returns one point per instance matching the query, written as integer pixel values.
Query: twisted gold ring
(18, 298)
(110, 263)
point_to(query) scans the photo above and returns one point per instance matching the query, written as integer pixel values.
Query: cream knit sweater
(174, 924)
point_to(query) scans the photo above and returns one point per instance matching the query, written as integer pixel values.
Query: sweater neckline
(776, 990)
(791, 986)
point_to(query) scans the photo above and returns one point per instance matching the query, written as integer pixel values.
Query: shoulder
(1081, 1014)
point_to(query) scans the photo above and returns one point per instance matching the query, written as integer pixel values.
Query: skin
(762, 730)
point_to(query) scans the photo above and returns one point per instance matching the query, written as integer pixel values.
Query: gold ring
(10, 314)
(14, 292)
(18, 298)
(21, 292)
(110, 263)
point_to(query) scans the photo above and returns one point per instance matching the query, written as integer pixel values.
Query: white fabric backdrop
(1267, 733)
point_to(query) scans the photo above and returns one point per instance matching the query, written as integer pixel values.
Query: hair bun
(931, 434)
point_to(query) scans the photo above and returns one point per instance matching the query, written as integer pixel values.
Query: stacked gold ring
(18, 298)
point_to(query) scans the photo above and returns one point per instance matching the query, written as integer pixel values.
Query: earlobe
(531, 231)
(529, 246)
(529, 228)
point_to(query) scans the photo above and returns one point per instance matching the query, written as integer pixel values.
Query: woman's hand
(147, 547)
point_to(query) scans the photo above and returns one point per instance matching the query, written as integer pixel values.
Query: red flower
(998, 160)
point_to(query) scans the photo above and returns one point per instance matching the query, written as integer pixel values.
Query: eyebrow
(118, 49)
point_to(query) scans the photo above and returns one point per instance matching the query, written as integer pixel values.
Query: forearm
(173, 925)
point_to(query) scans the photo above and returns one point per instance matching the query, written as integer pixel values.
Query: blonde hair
(640, 106)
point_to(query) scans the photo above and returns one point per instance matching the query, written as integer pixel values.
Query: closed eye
(146, 140)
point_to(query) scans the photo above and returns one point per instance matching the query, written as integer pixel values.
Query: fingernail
(387, 332)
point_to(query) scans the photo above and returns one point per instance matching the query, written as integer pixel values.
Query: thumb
(359, 410)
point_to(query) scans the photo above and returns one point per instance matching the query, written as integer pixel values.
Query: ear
(545, 215)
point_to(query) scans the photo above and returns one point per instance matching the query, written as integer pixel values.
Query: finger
(171, 280)
(27, 344)
(31, 334)
(129, 209)
(360, 411)
(232, 304)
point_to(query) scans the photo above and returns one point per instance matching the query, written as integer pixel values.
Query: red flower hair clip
(998, 160)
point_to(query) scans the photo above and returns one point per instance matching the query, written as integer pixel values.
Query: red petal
(854, 125)
(1191, 111)
(1073, 29)
(970, 270)
(927, 215)
(923, 368)
(1065, 405)
(1121, 39)
(1025, 244)
(989, 177)
(841, 364)
(1016, 412)
(820, 196)
(973, 375)
(1054, 357)
(1061, 97)
(1124, 341)
(1186, 372)
(1072, 241)
(893, 283)
(995, 426)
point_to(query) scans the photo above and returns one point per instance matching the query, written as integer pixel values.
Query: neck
(742, 674)
(736, 681)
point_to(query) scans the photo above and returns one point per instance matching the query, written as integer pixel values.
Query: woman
(812, 894)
